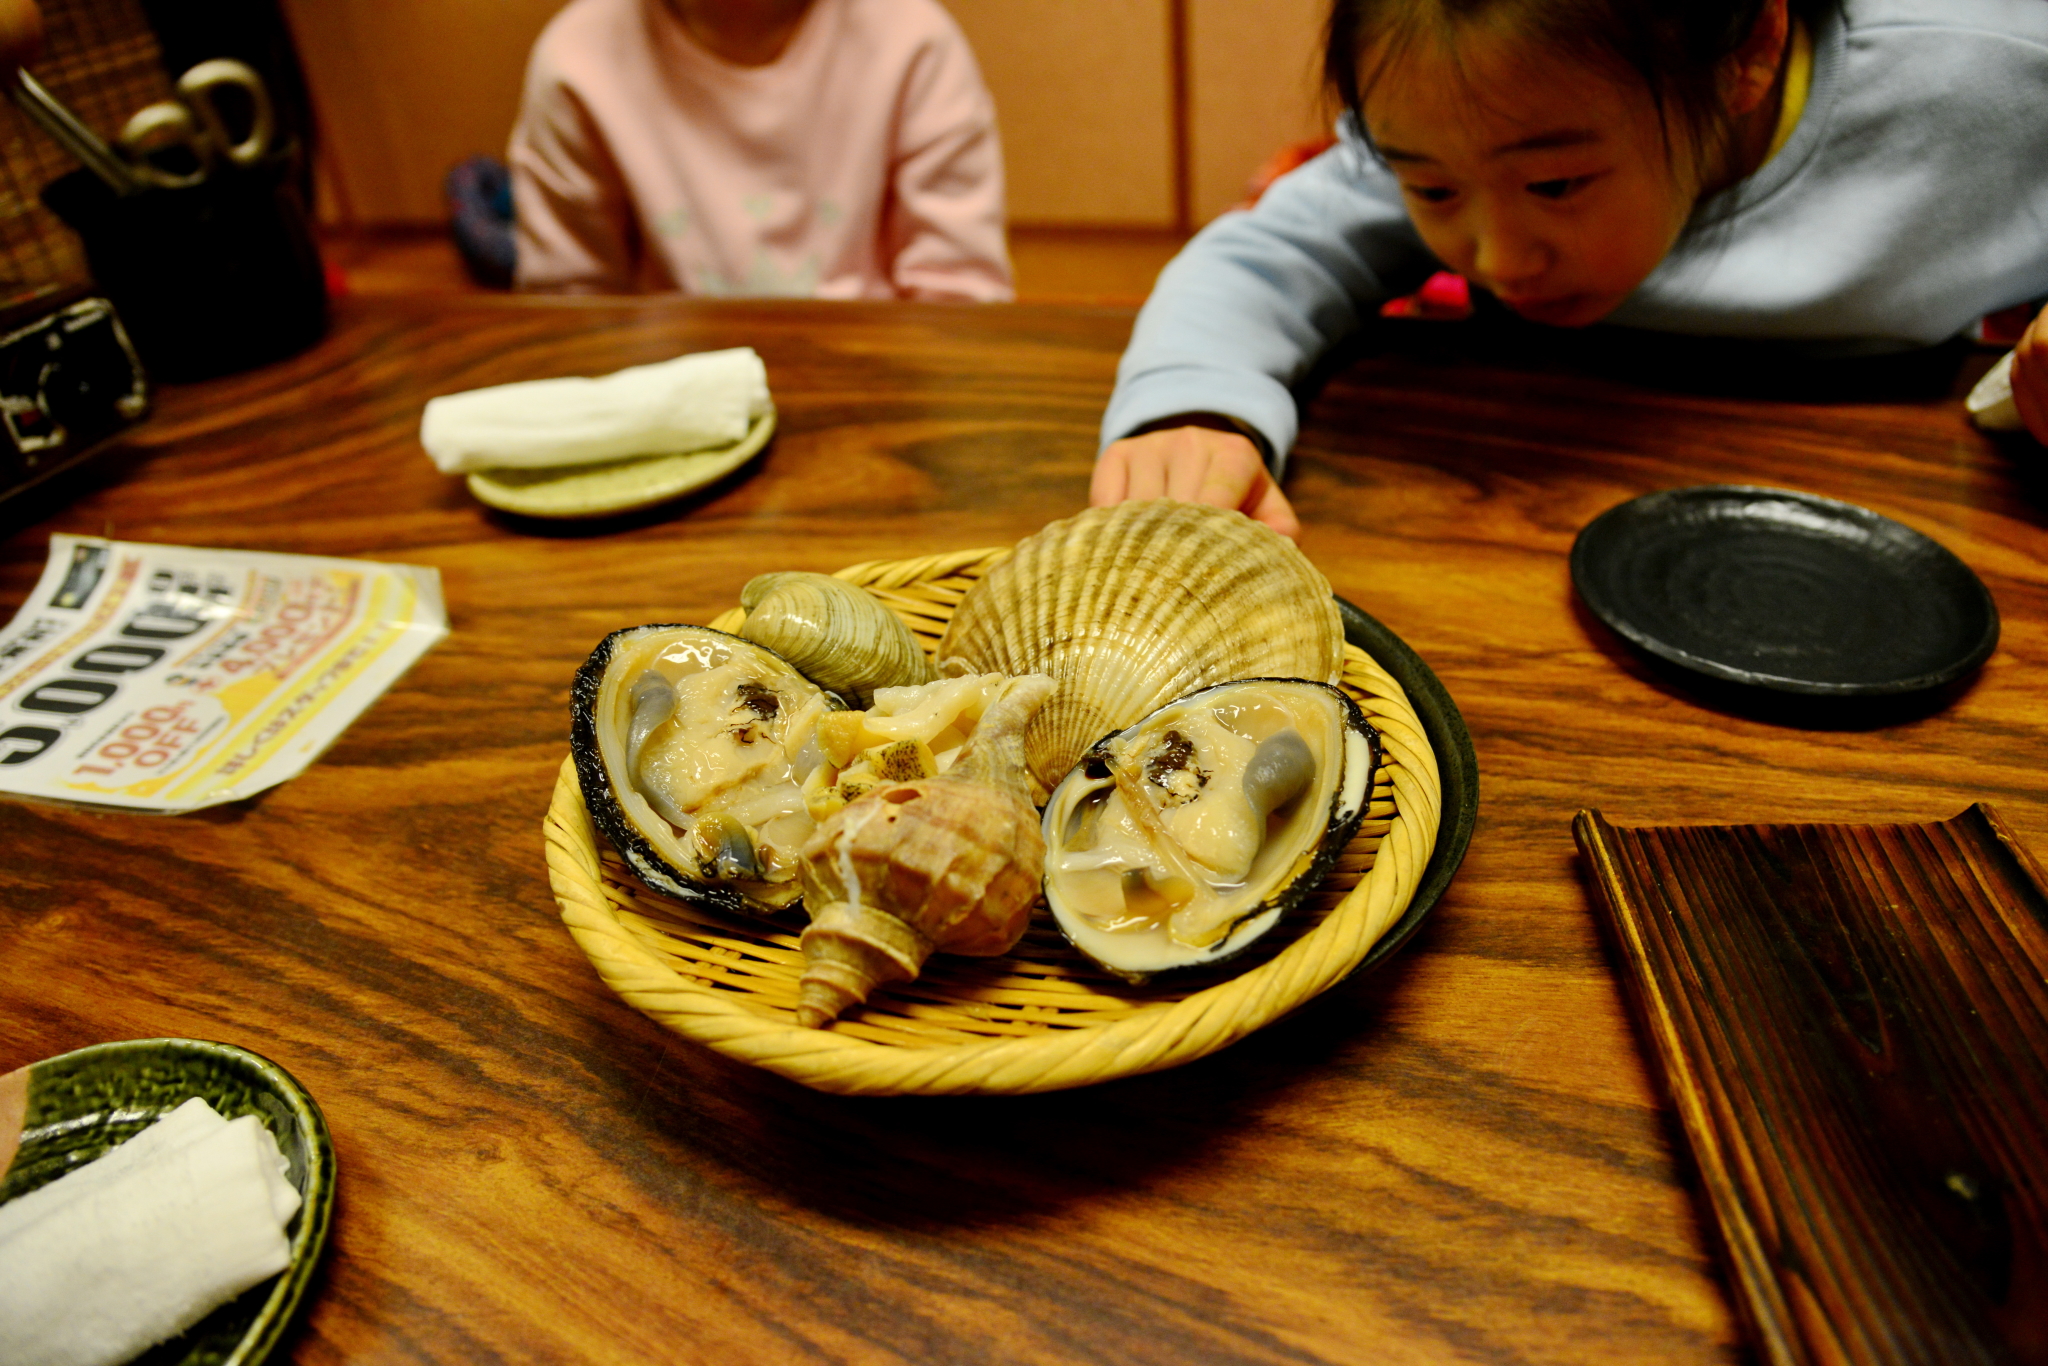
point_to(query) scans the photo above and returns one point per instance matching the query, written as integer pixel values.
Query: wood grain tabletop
(1463, 1156)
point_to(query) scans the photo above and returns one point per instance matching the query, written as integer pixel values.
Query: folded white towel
(1990, 404)
(686, 404)
(116, 1263)
(189, 1122)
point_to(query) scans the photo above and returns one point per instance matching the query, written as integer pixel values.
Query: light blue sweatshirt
(1910, 200)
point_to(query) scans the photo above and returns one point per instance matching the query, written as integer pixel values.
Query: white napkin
(143, 1243)
(686, 404)
(1990, 404)
(193, 1120)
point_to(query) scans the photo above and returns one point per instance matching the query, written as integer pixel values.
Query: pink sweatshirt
(861, 164)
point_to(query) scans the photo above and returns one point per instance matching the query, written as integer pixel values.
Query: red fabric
(1443, 296)
(2005, 327)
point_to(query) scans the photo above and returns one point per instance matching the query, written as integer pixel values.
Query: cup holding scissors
(194, 124)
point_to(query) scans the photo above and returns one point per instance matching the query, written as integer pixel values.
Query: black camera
(68, 380)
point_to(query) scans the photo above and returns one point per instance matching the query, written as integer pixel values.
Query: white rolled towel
(191, 1121)
(690, 403)
(118, 1261)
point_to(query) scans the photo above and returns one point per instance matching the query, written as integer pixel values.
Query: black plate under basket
(1457, 770)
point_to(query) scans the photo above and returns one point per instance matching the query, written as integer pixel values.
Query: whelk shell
(950, 862)
(1130, 606)
(836, 635)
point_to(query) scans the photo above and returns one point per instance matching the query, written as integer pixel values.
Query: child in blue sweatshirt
(1846, 177)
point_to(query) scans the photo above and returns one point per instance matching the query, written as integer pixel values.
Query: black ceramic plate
(82, 1105)
(1784, 592)
(1457, 769)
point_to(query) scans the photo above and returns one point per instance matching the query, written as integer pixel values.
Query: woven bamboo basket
(1040, 1018)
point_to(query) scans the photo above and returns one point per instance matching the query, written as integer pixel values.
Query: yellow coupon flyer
(169, 678)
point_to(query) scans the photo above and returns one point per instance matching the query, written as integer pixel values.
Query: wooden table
(1460, 1157)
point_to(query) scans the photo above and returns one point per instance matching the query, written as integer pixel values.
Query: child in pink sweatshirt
(838, 149)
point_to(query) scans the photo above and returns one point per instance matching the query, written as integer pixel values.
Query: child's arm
(572, 217)
(2030, 377)
(1247, 308)
(943, 238)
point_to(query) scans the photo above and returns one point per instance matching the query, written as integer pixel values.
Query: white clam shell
(1131, 606)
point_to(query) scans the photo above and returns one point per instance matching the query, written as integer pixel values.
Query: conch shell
(1130, 606)
(836, 635)
(947, 862)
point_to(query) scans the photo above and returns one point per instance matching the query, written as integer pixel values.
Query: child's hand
(1195, 465)
(2029, 377)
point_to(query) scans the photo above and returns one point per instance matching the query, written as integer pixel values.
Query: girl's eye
(1559, 189)
(1430, 194)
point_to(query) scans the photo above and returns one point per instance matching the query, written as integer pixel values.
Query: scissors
(193, 122)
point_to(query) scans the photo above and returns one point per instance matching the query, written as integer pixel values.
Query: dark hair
(1674, 47)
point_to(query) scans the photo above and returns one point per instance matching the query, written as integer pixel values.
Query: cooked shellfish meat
(1180, 840)
(909, 733)
(692, 749)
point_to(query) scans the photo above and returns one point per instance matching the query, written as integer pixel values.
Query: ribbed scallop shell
(1131, 606)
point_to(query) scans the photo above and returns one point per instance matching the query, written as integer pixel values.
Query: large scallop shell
(1133, 605)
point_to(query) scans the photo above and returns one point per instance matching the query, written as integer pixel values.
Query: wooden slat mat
(1853, 1023)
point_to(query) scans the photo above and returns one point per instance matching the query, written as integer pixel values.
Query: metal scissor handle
(197, 89)
(193, 122)
(156, 128)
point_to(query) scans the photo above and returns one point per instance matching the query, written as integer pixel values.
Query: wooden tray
(1853, 1023)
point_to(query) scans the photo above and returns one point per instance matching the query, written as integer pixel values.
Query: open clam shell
(1128, 607)
(1180, 841)
(691, 748)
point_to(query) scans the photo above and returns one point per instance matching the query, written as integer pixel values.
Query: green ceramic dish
(82, 1104)
(616, 486)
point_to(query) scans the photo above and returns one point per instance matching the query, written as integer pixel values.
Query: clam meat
(692, 748)
(909, 733)
(1178, 842)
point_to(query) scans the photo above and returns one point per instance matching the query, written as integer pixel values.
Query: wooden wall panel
(405, 89)
(1083, 92)
(1253, 87)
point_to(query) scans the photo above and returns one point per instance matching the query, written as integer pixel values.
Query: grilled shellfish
(1130, 606)
(692, 747)
(1179, 841)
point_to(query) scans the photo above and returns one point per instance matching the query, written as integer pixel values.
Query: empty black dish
(1785, 592)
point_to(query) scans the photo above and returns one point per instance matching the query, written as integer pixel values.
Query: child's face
(1538, 178)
